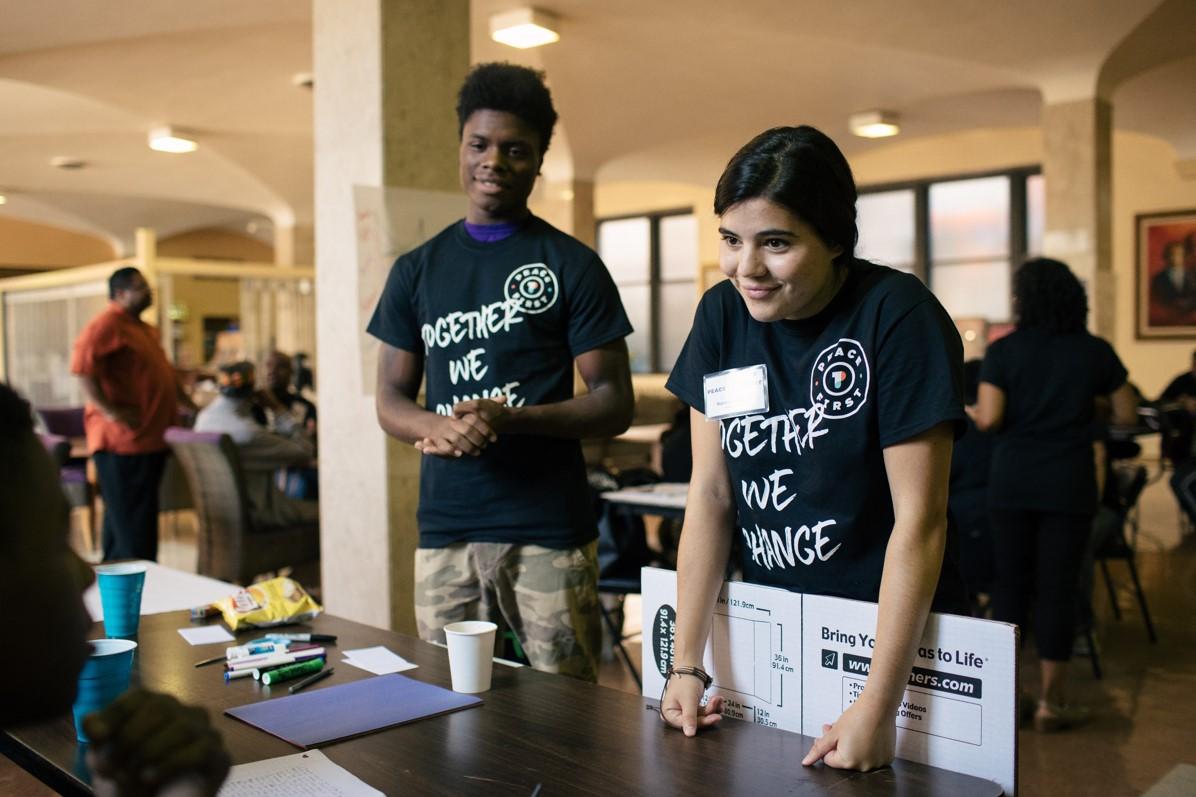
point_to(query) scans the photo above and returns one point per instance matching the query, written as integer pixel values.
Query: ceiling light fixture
(523, 28)
(67, 162)
(165, 138)
(874, 124)
(3, 199)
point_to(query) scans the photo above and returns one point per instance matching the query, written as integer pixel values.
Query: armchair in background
(231, 546)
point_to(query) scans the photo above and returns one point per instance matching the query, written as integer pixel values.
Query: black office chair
(1130, 481)
(1116, 546)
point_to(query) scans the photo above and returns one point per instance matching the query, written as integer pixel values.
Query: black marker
(309, 680)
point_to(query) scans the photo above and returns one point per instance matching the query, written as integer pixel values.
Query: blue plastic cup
(120, 595)
(104, 678)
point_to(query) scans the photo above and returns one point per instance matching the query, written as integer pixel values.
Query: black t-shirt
(879, 365)
(1182, 386)
(1042, 456)
(502, 319)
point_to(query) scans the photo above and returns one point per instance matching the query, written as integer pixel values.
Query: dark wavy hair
(511, 88)
(801, 169)
(1049, 297)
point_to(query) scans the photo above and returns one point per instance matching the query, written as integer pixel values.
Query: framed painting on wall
(1166, 274)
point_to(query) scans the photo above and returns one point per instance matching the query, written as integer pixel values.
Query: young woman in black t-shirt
(1038, 388)
(864, 390)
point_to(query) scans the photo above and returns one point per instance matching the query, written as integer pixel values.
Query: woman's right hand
(680, 705)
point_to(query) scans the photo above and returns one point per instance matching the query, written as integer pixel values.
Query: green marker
(292, 671)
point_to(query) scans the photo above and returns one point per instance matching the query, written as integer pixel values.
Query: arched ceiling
(647, 89)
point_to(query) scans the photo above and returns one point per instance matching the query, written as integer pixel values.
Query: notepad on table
(340, 712)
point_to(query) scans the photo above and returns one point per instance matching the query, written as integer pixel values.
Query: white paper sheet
(310, 774)
(166, 590)
(378, 660)
(206, 635)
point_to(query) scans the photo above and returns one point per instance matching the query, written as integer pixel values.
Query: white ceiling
(647, 89)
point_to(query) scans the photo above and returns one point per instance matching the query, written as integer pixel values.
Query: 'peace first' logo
(534, 285)
(839, 379)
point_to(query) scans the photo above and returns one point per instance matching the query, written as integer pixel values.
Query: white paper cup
(471, 652)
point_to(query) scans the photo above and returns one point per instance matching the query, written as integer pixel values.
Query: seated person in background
(262, 450)
(144, 743)
(280, 397)
(1182, 389)
(1177, 403)
(970, 460)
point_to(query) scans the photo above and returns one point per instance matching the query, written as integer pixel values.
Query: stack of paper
(309, 773)
(378, 660)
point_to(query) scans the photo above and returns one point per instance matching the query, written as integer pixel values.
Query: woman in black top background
(1038, 391)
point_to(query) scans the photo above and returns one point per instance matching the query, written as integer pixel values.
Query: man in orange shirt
(133, 395)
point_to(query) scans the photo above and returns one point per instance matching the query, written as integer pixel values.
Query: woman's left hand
(860, 739)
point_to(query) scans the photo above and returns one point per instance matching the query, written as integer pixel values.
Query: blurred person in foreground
(144, 743)
(1039, 388)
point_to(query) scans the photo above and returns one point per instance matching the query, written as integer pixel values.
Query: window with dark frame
(962, 235)
(653, 259)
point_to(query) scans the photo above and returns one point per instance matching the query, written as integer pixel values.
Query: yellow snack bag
(275, 602)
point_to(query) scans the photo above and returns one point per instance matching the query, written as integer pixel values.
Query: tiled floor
(1144, 707)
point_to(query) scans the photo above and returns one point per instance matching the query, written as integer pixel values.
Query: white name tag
(735, 392)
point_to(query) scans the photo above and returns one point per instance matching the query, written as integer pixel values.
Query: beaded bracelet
(696, 672)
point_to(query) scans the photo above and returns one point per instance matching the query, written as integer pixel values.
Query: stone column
(294, 245)
(386, 76)
(1077, 165)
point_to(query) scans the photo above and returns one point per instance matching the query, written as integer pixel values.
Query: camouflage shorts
(548, 597)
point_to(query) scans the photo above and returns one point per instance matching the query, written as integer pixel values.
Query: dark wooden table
(534, 729)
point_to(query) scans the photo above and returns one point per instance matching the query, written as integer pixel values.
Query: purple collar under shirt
(492, 233)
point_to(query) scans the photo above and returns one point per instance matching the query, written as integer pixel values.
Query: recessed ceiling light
(165, 138)
(67, 162)
(524, 28)
(874, 124)
(3, 199)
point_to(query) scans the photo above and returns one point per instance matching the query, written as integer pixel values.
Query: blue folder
(352, 709)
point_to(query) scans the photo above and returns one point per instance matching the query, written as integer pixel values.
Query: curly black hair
(802, 169)
(1049, 297)
(511, 88)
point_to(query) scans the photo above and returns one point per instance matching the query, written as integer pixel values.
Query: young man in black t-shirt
(496, 311)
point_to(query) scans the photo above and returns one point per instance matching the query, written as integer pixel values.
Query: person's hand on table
(150, 743)
(860, 739)
(680, 707)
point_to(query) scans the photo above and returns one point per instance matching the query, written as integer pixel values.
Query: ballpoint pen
(309, 680)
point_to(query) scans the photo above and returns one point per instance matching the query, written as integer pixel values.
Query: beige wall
(202, 296)
(216, 244)
(27, 244)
